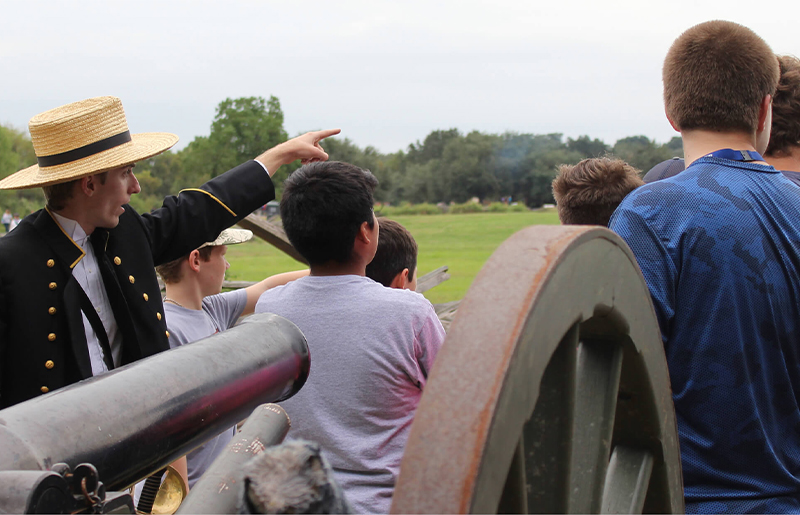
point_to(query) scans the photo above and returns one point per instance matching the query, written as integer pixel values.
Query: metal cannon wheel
(551, 393)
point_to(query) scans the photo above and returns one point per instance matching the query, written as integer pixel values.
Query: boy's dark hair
(171, 272)
(785, 133)
(323, 207)
(397, 250)
(589, 192)
(715, 76)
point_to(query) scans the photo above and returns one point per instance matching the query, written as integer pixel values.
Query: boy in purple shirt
(372, 346)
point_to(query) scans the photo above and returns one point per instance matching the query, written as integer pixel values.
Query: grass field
(462, 242)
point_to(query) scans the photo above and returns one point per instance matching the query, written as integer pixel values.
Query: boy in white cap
(195, 309)
(78, 294)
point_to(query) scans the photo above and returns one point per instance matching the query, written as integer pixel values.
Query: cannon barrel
(221, 488)
(137, 419)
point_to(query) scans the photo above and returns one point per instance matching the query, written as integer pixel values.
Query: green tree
(16, 153)
(587, 147)
(168, 168)
(432, 147)
(242, 129)
(676, 146)
(641, 152)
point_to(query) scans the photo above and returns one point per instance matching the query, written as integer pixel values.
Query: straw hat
(84, 138)
(229, 237)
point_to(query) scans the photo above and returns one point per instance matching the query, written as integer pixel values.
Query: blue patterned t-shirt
(719, 247)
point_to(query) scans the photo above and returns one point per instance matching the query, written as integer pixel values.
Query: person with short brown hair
(783, 151)
(395, 261)
(717, 245)
(588, 193)
(195, 309)
(716, 77)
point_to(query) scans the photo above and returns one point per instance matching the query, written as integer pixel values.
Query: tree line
(447, 166)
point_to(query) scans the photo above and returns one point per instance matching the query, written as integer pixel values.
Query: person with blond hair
(195, 309)
(588, 193)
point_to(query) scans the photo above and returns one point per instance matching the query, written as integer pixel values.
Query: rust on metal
(485, 382)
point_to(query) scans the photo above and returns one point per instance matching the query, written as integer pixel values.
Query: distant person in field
(14, 222)
(373, 347)
(195, 309)
(718, 246)
(783, 151)
(588, 193)
(395, 262)
(6, 219)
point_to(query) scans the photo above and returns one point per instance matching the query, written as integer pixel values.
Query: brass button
(50, 263)
(51, 337)
(44, 389)
(49, 364)
(131, 279)
(145, 297)
(53, 286)
(158, 316)
(167, 333)
(117, 261)
(52, 310)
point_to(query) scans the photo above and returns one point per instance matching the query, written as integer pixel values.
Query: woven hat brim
(141, 146)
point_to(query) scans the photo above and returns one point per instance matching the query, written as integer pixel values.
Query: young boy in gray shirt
(195, 309)
(372, 347)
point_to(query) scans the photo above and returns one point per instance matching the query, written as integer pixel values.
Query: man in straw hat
(78, 293)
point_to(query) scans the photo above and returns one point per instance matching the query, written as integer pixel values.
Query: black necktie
(89, 310)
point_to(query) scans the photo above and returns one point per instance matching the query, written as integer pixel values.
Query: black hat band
(85, 151)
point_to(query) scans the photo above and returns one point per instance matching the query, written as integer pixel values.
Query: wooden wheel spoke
(547, 432)
(514, 498)
(597, 372)
(627, 480)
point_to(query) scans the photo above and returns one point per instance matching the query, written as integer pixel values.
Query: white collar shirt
(87, 273)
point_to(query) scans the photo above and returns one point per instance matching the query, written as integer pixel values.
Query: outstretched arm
(198, 215)
(255, 291)
(306, 148)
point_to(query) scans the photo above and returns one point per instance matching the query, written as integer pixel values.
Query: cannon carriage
(551, 394)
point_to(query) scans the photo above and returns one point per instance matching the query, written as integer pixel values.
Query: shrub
(466, 207)
(409, 209)
(497, 207)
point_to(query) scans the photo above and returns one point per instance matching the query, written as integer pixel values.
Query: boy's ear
(194, 260)
(675, 127)
(763, 110)
(363, 233)
(401, 280)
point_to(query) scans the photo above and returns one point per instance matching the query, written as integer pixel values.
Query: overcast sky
(386, 73)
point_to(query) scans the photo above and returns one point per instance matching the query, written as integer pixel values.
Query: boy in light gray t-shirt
(372, 347)
(185, 325)
(195, 309)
